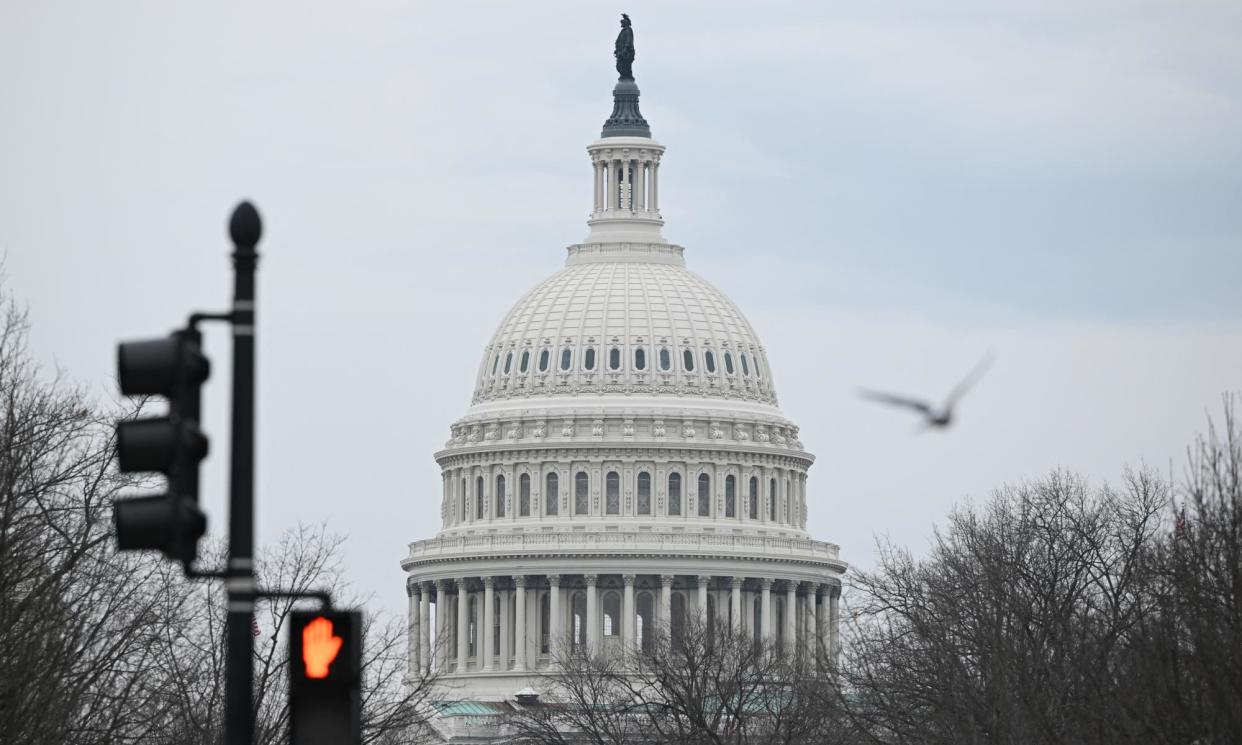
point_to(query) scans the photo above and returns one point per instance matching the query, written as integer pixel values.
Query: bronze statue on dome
(625, 49)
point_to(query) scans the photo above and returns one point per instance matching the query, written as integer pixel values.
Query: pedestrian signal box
(325, 663)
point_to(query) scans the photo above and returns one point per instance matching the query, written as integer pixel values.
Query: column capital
(704, 580)
(461, 583)
(766, 583)
(413, 587)
(519, 580)
(441, 585)
(554, 580)
(489, 582)
(590, 579)
(666, 580)
(737, 582)
(628, 579)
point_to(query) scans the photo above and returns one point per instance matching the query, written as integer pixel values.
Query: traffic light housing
(173, 367)
(325, 677)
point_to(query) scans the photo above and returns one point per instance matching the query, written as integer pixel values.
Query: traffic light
(325, 664)
(173, 367)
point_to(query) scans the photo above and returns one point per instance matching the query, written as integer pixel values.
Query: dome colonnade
(534, 615)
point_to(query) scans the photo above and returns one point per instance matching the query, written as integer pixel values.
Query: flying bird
(933, 417)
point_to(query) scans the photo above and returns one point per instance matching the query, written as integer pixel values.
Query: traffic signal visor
(320, 647)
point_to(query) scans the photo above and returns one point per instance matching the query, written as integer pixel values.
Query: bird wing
(968, 381)
(888, 398)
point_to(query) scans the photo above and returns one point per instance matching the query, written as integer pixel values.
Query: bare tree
(190, 655)
(76, 618)
(705, 684)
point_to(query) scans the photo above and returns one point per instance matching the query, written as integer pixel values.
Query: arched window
(500, 496)
(758, 370)
(545, 618)
(524, 495)
(581, 493)
(567, 358)
(589, 359)
(772, 500)
(612, 493)
(478, 498)
(578, 613)
(551, 494)
(666, 359)
(643, 614)
(730, 497)
(524, 365)
(789, 515)
(614, 359)
(462, 500)
(705, 495)
(677, 613)
(753, 502)
(687, 360)
(728, 363)
(543, 361)
(709, 361)
(644, 493)
(612, 613)
(508, 362)
(674, 494)
(495, 363)
(640, 359)
(745, 367)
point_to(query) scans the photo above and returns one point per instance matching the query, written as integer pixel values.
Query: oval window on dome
(687, 361)
(524, 365)
(495, 364)
(728, 363)
(758, 371)
(543, 361)
(567, 357)
(508, 362)
(589, 359)
(666, 359)
(614, 359)
(709, 361)
(640, 359)
(745, 367)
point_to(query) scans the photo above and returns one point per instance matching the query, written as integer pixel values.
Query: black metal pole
(245, 228)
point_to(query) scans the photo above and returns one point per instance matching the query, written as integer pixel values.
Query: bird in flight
(933, 417)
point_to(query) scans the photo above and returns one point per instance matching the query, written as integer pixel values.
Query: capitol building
(623, 465)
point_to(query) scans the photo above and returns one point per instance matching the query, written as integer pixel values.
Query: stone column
(415, 635)
(812, 623)
(704, 581)
(597, 169)
(627, 613)
(554, 614)
(424, 628)
(442, 631)
(666, 603)
(520, 651)
(506, 624)
(463, 625)
(639, 168)
(655, 186)
(791, 616)
(487, 662)
(591, 632)
(766, 632)
(735, 602)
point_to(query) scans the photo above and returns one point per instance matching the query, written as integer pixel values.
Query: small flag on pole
(254, 626)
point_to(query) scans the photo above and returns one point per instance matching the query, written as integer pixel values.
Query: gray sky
(887, 192)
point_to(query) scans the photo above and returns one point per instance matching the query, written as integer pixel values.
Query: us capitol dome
(623, 463)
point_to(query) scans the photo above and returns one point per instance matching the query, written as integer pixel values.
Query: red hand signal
(319, 647)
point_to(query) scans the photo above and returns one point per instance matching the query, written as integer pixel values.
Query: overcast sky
(887, 192)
